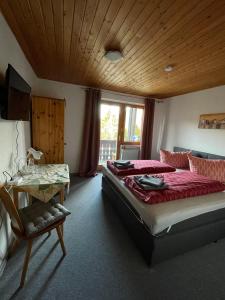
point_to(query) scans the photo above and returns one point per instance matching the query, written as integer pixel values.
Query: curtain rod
(122, 94)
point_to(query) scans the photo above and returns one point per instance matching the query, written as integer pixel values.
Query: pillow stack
(178, 160)
(212, 168)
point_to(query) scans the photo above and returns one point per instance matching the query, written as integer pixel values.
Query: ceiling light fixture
(113, 55)
(168, 68)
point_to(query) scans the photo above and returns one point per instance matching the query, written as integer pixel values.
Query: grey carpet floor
(103, 263)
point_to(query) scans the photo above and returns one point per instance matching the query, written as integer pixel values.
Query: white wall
(182, 121)
(10, 52)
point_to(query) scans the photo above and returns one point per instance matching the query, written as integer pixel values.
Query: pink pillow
(212, 168)
(175, 159)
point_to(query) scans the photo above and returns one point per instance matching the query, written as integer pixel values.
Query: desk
(42, 182)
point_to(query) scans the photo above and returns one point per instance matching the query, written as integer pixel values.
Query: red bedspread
(180, 185)
(141, 167)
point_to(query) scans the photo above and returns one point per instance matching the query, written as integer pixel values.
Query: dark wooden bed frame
(182, 237)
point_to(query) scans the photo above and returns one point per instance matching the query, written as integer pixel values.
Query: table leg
(61, 197)
(16, 241)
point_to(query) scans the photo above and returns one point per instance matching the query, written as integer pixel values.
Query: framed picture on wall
(212, 121)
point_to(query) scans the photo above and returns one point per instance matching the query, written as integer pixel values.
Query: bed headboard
(199, 153)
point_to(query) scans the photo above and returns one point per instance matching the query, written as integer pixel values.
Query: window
(108, 132)
(133, 124)
(121, 124)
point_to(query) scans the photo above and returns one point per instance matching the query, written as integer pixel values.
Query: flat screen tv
(15, 97)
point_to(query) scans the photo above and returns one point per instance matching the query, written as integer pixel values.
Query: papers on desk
(45, 182)
(44, 174)
(15, 180)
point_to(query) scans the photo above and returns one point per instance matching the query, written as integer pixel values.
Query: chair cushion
(39, 216)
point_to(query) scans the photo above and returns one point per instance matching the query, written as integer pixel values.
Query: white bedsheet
(161, 216)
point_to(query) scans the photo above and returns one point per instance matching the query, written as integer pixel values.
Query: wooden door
(48, 128)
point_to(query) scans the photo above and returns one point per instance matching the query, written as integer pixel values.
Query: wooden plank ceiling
(66, 41)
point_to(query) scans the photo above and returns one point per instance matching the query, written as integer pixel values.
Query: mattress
(162, 216)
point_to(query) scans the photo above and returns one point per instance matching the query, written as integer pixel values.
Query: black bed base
(184, 236)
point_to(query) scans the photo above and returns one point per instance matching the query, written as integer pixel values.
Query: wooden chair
(26, 223)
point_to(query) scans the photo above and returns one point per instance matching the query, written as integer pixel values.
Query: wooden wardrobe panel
(48, 128)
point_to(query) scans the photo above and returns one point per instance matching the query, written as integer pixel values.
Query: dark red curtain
(147, 133)
(91, 134)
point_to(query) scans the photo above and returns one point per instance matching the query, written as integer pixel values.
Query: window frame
(121, 124)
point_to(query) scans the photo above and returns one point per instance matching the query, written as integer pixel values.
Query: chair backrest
(11, 209)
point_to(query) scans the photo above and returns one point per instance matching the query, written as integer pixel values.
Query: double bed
(164, 230)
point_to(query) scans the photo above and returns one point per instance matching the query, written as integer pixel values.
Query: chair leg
(58, 229)
(26, 262)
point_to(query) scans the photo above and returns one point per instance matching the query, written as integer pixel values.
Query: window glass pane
(133, 124)
(108, 132)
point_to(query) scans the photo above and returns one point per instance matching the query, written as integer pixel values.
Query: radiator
(129, 152)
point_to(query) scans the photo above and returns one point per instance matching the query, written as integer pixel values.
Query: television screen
(18, 105)
(16, 102)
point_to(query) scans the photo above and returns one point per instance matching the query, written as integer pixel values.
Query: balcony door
(109, 128)
(121, 124)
